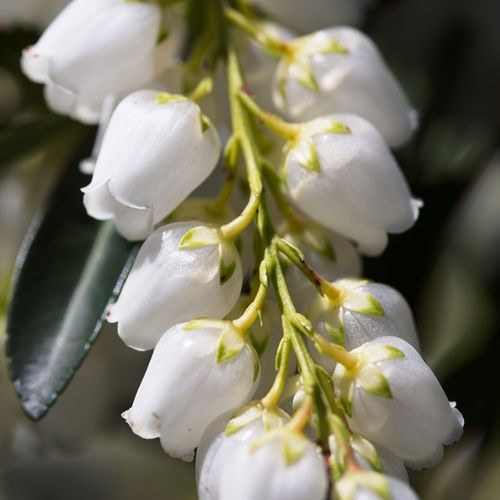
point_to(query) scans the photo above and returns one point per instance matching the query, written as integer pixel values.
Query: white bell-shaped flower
(284, 465)
(221, 441)
(366, 485)
(318, 14)
(95, 48)
(368, 311)
(340, 70)
(341, 173)
(156, 150)
(35, 13)
(393, 398)
(198, 371)
(170, 283)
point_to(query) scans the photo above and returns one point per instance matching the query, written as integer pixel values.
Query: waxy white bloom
(341, 173)
(285, 465)
(198, 371)
(36, 13)
(221, 441)
(368, 311)
(366, 485)
(156, 150)
(392, 397)
(171, 282)
(95, 48)
(318, 14)
(340, 70)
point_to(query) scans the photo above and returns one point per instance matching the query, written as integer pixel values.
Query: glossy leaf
(69, 268)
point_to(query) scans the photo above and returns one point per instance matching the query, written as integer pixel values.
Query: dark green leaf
(69, 268)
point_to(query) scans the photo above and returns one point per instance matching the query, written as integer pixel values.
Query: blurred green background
(446, 53)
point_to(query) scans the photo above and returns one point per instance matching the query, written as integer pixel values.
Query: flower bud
(169, 284)
(282, 465)
(368, 311)
(94, 48)
(340, 70)
(341, 173)
(319, 13)
(392, 398)
(198, 371)
(221, 440)
(157, 149)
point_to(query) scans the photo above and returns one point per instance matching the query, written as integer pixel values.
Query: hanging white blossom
(393, 398)
(196, 373)
(224, 438)
(156, 150)
(285, 465)
(341, 173)
(340, 70)
(95, 48)
(169, 284)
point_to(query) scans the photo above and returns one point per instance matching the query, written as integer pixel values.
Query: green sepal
(230, 344)
(200, 236)
(294, 446)
(166, 98)
(196, 324)
(245, 416)
(379, 352)
(367, 451)
(226, 270)
(338, 128)
(372, 380)
(227, 262)
(205, 123)
(312, 162)
(336, 334)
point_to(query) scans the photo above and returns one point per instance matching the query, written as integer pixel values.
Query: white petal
(358, 82)
(360, 192)
(263, 474)
(397, 320)
(418, 419)
(184, 389)
(154, 155)
(168, 285)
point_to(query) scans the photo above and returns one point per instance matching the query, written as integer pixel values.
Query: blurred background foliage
(447, 56)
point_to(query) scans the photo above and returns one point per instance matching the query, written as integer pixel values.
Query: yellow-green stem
(254, 31)
(337, 353)
(248, 318)
(285, 129)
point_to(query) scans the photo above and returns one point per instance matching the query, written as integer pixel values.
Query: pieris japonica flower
(282, 464)
(318, 14)
(156, 150)
(36, 13)
(221, 440)
(366, 311)
(341, 173)
(95, 48)
(340, 70)
(392, 398)
(172, 281)
(198, 371)
(367, 485)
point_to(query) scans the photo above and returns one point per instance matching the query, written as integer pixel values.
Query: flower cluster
(345, 401)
